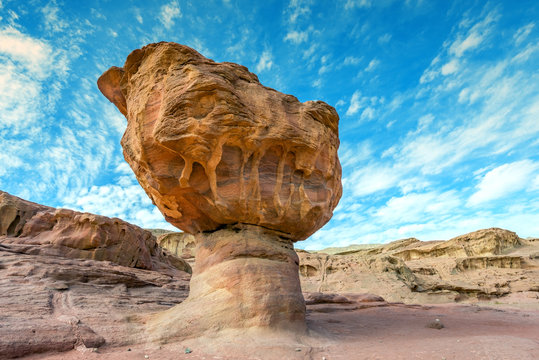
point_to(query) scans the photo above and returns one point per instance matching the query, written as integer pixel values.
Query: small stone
(298, 349)
(129, 349)
(146, 356)
(436, 324)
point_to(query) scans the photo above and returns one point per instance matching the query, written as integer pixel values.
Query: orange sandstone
(245, 168)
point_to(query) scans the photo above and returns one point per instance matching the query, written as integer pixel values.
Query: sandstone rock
(56, 304)
(212, 146)
(486, 264)
(482, 242)
(35, 228)
(243, 278)
(179, 244)
(245, 168)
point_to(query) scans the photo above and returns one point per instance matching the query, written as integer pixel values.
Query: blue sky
(439, 103)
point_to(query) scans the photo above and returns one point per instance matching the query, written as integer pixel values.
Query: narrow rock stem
(243, 278)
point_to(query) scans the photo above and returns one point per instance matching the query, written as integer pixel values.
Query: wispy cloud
(53, 22)
(350, 4)
(265, 61)
(351, 60)
(169, 13)
(523, 33)
(364, 104)
(384, 39)
(373, 64)
(296, 37)
(505, 180)
(27, 65)
(297, 9)
(127, 202)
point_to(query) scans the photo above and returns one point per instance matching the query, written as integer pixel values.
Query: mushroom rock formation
(245, 168)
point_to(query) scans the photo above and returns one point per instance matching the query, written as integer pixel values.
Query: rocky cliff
(485, 264)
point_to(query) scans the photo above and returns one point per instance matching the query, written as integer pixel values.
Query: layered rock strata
(211, 145)
(245, 168)
(489, 264)
(242, 278)
(34, 228)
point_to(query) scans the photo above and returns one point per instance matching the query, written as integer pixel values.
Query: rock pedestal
(243, 278)
(245, 168)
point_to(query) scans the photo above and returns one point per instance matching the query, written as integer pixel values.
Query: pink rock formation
(218, 152)
(35, 228)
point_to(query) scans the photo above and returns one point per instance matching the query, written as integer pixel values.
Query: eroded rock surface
(486, 264)
(212, 146)
(69, 279)
(243, 278)
(55, 304)
(180, 244)
(246, 169)
(37, 229)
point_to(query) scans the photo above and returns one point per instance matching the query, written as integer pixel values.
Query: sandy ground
(392, 331)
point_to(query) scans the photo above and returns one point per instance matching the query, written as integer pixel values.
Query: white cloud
(138, 15)
(351, 60)
(523, 33)
(384, 39)
(475, 36)
(350, 4)
(415, 206)
(34, 54)
(451, 67)
(26, 88)
(297, 8)
(505, 180)
(127, 202)
(372, 178)
(373, 64)
(52, 21)
(169, 13)
(265, 62)
(352, 154)
(296, 37)
(355, 103)
(358, 102)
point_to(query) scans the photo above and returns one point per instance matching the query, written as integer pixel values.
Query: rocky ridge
(485, 264)
(36, 229)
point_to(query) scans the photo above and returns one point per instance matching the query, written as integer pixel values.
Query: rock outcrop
(212, 146)
(181, 245)
(246, 169)
(37, 229)
(486, 264)
(52, 303)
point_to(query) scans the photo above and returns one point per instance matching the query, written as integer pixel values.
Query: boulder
(212, 146)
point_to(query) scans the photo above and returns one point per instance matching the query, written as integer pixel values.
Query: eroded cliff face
(34, 228)
(212, 146)
(485, 264)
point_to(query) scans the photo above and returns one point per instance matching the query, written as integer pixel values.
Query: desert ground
(471, 297)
